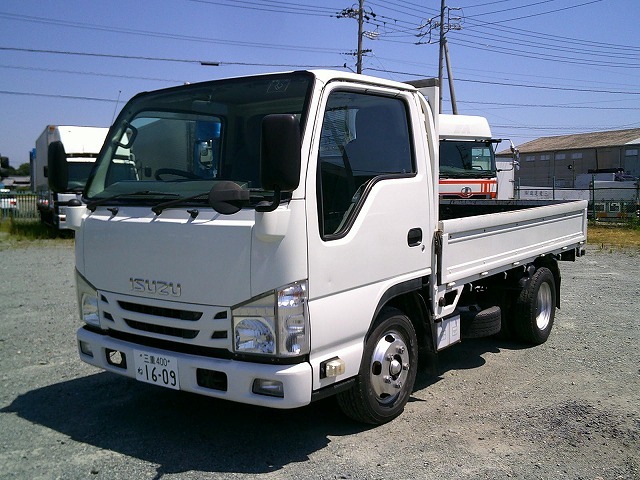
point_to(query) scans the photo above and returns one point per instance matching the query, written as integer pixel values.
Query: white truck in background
(81, 145)
(467, 158)
(290, 245)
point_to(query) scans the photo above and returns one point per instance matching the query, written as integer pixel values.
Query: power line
(522, 85)
(561, 47)
(65, 97)
(518, 7)
(543, 13)
(532, 105)
(223, 63)
(273, 6)
(488, 3)
(148, 33)
(95, 74)
(160, 59)
(476, 25)
(543, 56)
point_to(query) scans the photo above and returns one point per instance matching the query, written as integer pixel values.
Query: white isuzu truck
(283, 241)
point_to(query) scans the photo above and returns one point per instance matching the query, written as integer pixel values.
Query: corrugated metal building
(563, 157)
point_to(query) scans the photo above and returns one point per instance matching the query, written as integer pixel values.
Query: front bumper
(296, 379)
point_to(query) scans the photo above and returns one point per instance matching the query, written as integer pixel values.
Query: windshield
(179, 142)
(78, 173)
(464, 159)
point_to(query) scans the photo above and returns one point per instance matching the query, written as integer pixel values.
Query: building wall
(540, 168)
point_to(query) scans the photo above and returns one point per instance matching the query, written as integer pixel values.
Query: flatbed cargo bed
(482, 238)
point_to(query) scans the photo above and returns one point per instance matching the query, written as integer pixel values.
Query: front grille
(161, 311)
(168, 321)
(170, 331)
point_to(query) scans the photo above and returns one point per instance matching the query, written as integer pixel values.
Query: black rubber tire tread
(483, 323)
(359, 402)
(525, 308)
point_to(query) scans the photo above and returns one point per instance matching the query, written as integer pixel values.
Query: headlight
(87, 301)
(274, 324)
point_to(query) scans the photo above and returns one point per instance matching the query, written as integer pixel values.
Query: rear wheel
(387, 373)
(535, 308)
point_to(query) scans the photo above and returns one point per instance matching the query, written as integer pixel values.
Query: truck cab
(467, 157)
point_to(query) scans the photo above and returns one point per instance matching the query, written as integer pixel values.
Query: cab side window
(365, 138)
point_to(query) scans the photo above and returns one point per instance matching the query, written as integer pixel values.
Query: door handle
(414, 237)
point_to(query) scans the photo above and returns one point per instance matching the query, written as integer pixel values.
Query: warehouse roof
(580, 141)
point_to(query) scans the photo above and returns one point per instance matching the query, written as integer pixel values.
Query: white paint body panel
(478, 246)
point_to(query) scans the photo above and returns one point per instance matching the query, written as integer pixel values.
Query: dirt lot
(567, 409)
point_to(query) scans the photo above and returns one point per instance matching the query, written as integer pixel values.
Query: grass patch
(621, 236)
(17, 232)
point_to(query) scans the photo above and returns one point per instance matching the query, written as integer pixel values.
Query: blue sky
(533, 67)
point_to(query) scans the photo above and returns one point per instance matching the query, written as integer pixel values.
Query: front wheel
(535, 308)
(387, 373)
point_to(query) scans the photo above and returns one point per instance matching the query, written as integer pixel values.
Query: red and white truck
(283, 241)
(467, 157)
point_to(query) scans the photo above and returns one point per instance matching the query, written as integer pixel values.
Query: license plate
(157, 369)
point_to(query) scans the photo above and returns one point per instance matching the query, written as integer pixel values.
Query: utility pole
(452, 91)
(443, 57)
(361, 15)
(441, 54)
(360, 22)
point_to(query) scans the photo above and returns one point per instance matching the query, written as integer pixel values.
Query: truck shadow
(468, 353)
(463, 356)
(182, 432)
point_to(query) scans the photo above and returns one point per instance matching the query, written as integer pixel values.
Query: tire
(480, 323)
(387, 372)
(535, 308)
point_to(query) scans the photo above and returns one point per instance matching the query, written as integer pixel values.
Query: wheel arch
(409, 298)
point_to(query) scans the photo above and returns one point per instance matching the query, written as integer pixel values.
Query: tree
(24, 170)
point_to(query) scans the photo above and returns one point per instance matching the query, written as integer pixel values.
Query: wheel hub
(389, 366)
(544, 306)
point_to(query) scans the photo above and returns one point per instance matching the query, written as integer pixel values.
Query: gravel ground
(567, 409)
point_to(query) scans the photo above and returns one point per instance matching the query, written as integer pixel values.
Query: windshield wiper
(157, 209)
(101, 201)
(225, 197)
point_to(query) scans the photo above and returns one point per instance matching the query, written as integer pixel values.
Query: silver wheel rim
(389, 367)
(544, 306)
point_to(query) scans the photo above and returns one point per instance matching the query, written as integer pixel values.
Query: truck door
(369, 230)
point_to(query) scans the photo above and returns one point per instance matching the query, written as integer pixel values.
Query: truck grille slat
(161, 311)
(163, 330)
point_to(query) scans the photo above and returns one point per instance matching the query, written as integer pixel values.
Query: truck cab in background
(81, 146)
(467, 158)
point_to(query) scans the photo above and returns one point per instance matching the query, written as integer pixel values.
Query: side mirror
(281, 157)
(57, 167)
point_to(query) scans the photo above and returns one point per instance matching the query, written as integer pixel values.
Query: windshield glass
(78, 173)
(179, 142)
(467, 159)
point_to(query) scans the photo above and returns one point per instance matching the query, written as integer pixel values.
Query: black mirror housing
(281, 152)
(57, 167)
